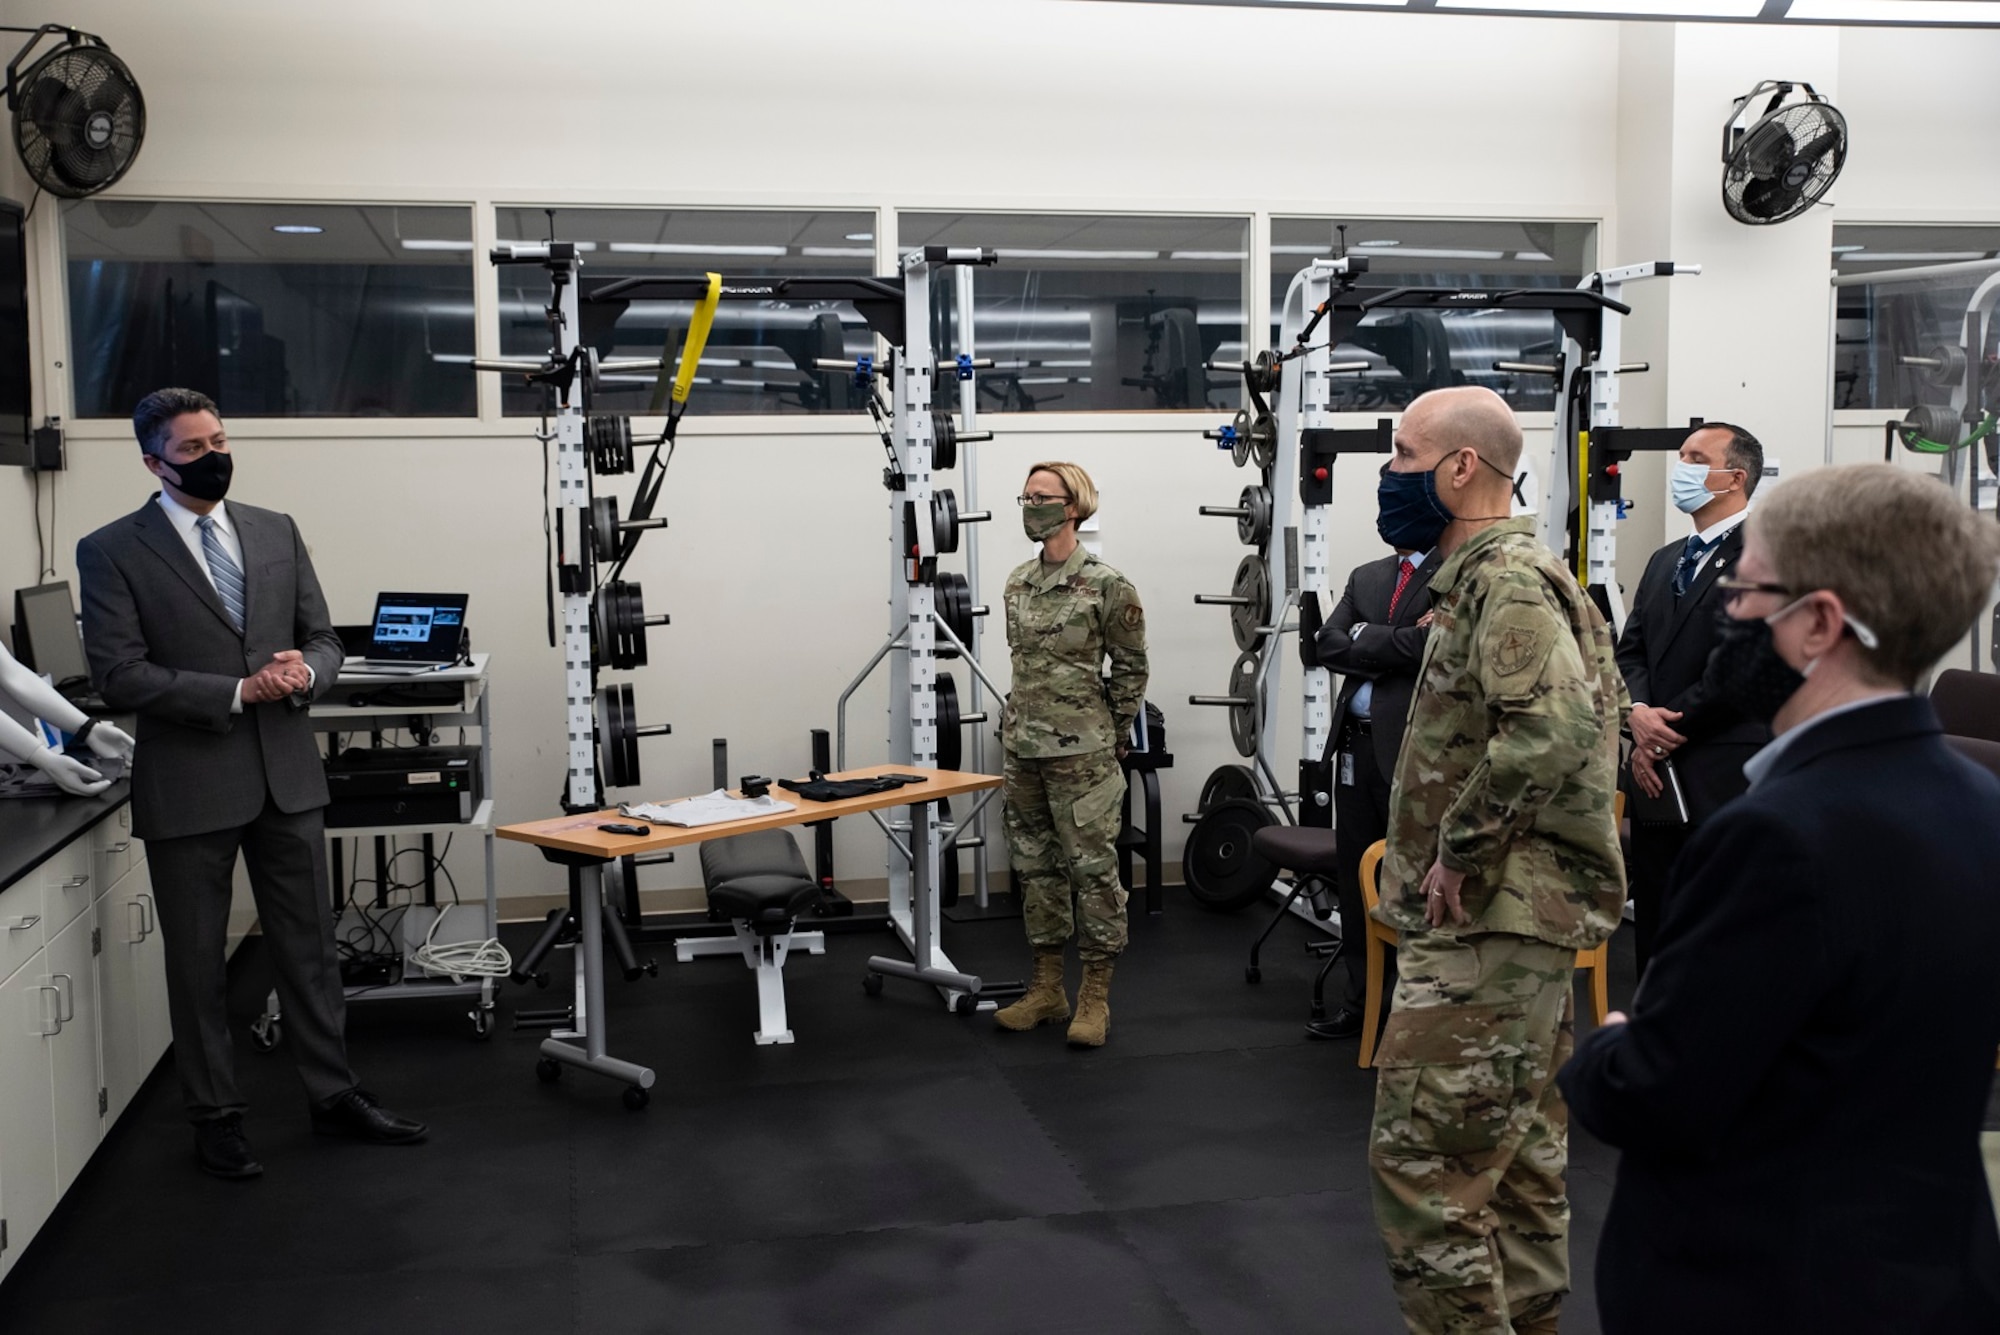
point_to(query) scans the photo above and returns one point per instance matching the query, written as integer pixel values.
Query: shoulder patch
(1516, 651)
(1133, 617)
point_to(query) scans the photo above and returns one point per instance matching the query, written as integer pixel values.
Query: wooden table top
(579, 833)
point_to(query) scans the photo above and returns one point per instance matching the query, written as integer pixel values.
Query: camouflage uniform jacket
(1510, 759)
(1061, 623)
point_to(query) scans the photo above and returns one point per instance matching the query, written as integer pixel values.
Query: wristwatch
(83, 733)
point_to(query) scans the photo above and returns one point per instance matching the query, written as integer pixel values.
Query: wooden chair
(1597, 962)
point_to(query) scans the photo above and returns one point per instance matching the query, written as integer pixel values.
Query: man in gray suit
(208, 623)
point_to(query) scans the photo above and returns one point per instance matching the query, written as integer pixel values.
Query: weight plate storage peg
(1246, 712)
(607, 530)
(619, 624)
(618, 734)
(1264, 440)
(1250, 594)
(1222, 871)
(950, 726)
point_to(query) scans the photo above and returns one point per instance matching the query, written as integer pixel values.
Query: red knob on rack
(1320, 474)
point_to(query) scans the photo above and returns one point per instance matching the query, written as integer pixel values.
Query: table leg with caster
(556, 1053)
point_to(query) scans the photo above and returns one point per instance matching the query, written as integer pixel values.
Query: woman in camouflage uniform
(1064, 730)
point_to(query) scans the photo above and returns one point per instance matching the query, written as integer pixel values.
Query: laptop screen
(45, 634)
(417, 627)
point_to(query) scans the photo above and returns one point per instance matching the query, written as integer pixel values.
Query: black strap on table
(819, 788)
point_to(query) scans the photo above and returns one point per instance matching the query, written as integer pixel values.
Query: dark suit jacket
(1800, 1090)
(1387, 652)
(161, 646)
(1666, 644)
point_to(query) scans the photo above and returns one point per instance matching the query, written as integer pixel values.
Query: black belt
(1352, 724)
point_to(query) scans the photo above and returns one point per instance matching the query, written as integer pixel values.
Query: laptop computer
(414, 633)
(47, 640)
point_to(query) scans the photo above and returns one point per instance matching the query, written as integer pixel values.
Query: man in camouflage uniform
(1064, 734)
(1502, 863)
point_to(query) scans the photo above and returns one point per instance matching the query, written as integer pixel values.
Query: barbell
(618, 734)
(619, 623)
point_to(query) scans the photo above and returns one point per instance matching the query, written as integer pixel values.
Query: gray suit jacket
(1388, 652)
(161, 646)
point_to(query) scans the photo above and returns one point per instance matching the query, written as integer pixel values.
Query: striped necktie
(1690, 562)
(228, 576)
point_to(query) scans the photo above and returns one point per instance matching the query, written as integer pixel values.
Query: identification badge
(1346, 769)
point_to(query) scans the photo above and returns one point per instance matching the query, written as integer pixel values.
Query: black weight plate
(628, 735)
(953, 598)
(950, 732)
(1222, 872)
(1239, 451)
(610, 440)
(1246, 720)
(944, 519)
(1254, 525)
(1227, 782)
(1264, 373)
(1246, 620)
(944, 439)
(612, 729)
(604, 528)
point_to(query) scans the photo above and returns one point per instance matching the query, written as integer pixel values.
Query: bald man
(1502, 863)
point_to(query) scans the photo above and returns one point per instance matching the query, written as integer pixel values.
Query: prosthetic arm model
(39, 698)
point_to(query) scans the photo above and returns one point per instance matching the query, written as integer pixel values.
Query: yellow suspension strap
(691, 350)
(1583, 508)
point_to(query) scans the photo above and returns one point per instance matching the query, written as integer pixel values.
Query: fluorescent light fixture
(1078, 254)
(1385, 241)
(860, 236)
(437, 245)
(1896, 11)
(837, 252)
(542, 241)
(1914, 256)
(1684, 9)
(297, 229)
(1847, 250)
(1326, 250)
(692, 248)
(1422, 253)
(1534, 257)
(1208, 255)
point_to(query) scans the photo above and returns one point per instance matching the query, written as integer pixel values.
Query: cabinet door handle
(130, 905)
(68, 995)
(151, 923)
(44, 1018)
(82, 878)
(119, 847)
(22, 924)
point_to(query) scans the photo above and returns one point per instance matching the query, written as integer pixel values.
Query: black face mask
(207, 478)
(1755, 678)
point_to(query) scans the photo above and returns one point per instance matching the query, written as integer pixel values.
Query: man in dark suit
(1799, 1091)
(1374, 637)
(207, 622)
(1677, 723)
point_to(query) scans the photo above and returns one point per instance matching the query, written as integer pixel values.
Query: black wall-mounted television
(15, 441)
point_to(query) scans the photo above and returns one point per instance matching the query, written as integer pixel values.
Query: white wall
(773, 568)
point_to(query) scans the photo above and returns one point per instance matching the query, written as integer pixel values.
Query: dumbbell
(607, 530)
(618, 734)
(619, 624)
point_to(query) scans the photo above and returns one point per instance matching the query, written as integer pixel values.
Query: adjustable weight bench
(758, 882)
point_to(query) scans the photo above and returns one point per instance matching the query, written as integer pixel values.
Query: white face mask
(1688, 486)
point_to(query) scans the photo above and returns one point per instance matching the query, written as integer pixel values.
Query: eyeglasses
(1035, 498)
(1732, 588)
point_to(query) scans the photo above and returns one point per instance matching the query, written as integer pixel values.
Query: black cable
(548, 533)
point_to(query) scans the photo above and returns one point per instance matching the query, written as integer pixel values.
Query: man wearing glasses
(1799, 1091)
(1688, 748)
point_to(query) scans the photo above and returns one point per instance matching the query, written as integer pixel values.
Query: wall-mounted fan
(1777, 163)
(78, 115)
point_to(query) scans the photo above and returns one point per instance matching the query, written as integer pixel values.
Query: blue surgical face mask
(1409, 513)
(1689, 486)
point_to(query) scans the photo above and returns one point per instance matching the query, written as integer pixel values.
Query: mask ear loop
(1855, 626)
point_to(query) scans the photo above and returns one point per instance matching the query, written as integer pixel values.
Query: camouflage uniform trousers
(1471, 1136)
(1062, 815)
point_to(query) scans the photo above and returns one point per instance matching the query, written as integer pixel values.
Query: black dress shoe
(223, 1149)
(1343, 1023)
(357, 1114)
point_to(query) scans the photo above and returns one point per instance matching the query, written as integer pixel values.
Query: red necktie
(1403, 573)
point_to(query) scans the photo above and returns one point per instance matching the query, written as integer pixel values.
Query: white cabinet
(83, 1015)
(132, 983)
(71, 968)
(29, 1011)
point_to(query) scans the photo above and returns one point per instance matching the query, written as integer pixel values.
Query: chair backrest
(1968, 703)
(1371, 861)
(1978, 750)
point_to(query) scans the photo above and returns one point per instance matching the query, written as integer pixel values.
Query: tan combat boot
(1044, 1002)
(1093, 1007)
(1544, 1324)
